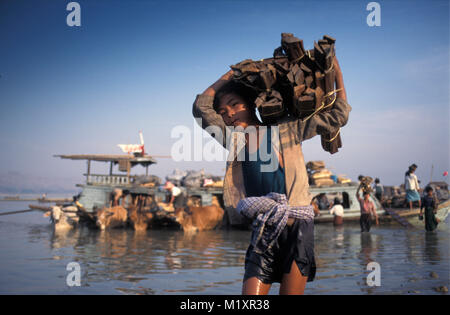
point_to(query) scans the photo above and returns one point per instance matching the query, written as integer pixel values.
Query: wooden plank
(15, 212)
(398, 218)
(41, 208)
(112, 157)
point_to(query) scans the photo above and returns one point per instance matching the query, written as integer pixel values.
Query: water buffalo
(111, 217)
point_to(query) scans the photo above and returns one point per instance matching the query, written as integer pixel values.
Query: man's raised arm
(205, 114)
(328, 122)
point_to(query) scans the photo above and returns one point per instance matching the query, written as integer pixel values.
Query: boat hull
(384, 217)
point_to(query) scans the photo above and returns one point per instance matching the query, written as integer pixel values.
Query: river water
(33, 259)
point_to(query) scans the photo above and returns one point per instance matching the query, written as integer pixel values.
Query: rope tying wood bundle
(295, 82)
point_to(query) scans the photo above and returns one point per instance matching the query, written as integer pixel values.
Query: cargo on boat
(97, 190)
(142, 196)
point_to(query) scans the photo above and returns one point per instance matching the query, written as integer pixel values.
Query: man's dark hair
(377, 180)
(337, 201)
(428, 189)
(247, 93)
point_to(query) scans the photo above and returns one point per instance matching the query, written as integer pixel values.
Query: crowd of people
(427, 203)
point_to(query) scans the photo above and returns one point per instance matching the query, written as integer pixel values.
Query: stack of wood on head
(294, 82)
(365, 182)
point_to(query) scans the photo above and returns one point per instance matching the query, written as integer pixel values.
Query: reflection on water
(34, 260)
(432, 255)
(125, 255)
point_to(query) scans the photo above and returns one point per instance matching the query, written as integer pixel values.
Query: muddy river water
(34, 259)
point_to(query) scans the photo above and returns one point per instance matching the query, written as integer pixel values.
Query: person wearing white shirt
(338, 211)
(412, 186)
(177, 198)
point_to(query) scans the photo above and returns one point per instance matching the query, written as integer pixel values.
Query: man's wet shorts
(291, 246)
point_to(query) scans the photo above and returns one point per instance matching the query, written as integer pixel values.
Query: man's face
(366, 197)
(235, 111)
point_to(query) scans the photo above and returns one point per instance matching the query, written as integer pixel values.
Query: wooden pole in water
(15, 212)
(431, 176)
(88, 171)
(41, 208)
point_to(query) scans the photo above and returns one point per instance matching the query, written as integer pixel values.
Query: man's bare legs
(254, 286)
(293, 283)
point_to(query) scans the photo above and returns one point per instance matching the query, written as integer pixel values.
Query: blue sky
(137, 65)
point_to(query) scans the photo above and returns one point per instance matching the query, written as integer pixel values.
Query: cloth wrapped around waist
(270, 214)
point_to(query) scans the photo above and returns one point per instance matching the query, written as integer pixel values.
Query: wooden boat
(347, 193)
(11, 198)
(352, 212)
(54, 200)
(98, 190)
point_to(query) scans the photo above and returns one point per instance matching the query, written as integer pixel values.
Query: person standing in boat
(412, 186)
(379, 190)
(429, 203)
(338, 211)
(282, 246)
(367, 211)
(177, 198)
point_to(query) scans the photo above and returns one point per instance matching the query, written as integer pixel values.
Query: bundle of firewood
(365, 183)
(295, 82)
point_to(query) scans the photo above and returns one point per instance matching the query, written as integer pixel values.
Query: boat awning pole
(88, 170)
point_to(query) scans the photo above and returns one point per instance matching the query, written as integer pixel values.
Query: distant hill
(18, 183)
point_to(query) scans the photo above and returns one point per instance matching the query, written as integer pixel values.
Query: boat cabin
(98, 188)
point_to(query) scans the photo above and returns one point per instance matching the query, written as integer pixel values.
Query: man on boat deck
(379, 190)
(412, 186)
(290, 258)
(177, 198)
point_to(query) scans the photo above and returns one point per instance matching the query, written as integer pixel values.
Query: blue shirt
(258, 183)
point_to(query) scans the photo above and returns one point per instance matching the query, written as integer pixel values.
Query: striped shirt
(270, 215)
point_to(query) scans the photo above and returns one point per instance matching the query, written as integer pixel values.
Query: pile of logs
(295, 82)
